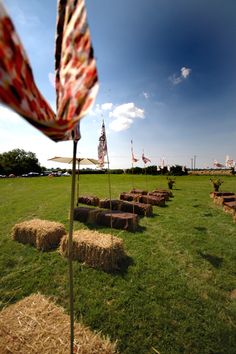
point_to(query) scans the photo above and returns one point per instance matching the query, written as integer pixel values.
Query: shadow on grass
(123, 266)
(201, 229)
(214, 260)
(102, 227)
(207, 214)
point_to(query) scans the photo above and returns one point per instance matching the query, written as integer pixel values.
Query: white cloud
(124, 116)
(100, 108)
(107, 106)
(146, 95)
(184, 74)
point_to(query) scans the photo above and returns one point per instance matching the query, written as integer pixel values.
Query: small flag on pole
(102, 146)
(145, 159)
(133, 159)
(229, 162)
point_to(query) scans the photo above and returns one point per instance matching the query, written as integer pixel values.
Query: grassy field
(174, 296)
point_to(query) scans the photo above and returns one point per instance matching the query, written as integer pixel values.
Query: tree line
(19, 162)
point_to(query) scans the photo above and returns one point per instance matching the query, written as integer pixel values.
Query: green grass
(174, 297)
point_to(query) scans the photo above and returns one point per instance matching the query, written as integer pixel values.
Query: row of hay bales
(98, 250)
(227, 200)
(108, 218)
(124, 212)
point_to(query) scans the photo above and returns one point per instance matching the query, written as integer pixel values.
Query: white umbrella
(79, 160)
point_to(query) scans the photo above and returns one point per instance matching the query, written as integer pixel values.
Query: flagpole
(70, 239)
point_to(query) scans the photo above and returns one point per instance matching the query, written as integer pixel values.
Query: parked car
(33, 174)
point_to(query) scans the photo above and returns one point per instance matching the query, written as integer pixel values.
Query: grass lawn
(175, 295)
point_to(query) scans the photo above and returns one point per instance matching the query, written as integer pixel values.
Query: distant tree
(18, 162)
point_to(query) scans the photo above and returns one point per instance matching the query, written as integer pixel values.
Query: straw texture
(36, 325)
(42, 234)
(97, 250)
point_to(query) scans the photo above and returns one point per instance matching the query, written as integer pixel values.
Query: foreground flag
(145, 159)
(102, 146)
(133, 159)
(76, 75)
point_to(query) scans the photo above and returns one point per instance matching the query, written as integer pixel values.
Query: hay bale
(163, 191)
(86, 214)
(107, 203)
(138, 191)
(153, 200)
(120, 220)
(159, 195)
(222, 199)
(97, 250)
(81, 214)
(88, 200)
(138, 208)
(221, 194)
(36, 325)
(230, 207)
(42, 234)
(129, 197)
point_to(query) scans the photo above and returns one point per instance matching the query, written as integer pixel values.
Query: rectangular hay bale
(157, 201)
(230, 207)
(120, 220)
(129, 197)
(138, 208)
(220, 200)
(36, 325)
(88, 200)
(42, 234)
(97, 250)
(106, 204)
(138, 191)
(163, 191)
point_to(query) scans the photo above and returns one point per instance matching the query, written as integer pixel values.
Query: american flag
(145, 159)
(102, 146)
(133, 159)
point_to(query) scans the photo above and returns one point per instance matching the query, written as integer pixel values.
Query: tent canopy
(80, 160)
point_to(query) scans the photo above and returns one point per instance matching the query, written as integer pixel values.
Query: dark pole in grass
(71, 290)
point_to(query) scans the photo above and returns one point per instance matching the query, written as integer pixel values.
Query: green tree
(18, 161)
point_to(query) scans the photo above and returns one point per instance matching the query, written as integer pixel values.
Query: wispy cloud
(124, 116)
(145, 94)
(184, 74)
(107, 106)
(21, 18)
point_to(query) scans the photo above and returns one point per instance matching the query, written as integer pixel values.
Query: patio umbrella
(80, 160)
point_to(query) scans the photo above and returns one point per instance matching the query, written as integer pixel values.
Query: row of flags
(102, 152)
(102, 149)
(229, 163)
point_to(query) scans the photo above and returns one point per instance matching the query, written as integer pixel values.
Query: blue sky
(167, 72)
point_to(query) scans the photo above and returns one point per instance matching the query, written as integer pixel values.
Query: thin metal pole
(71, 290)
